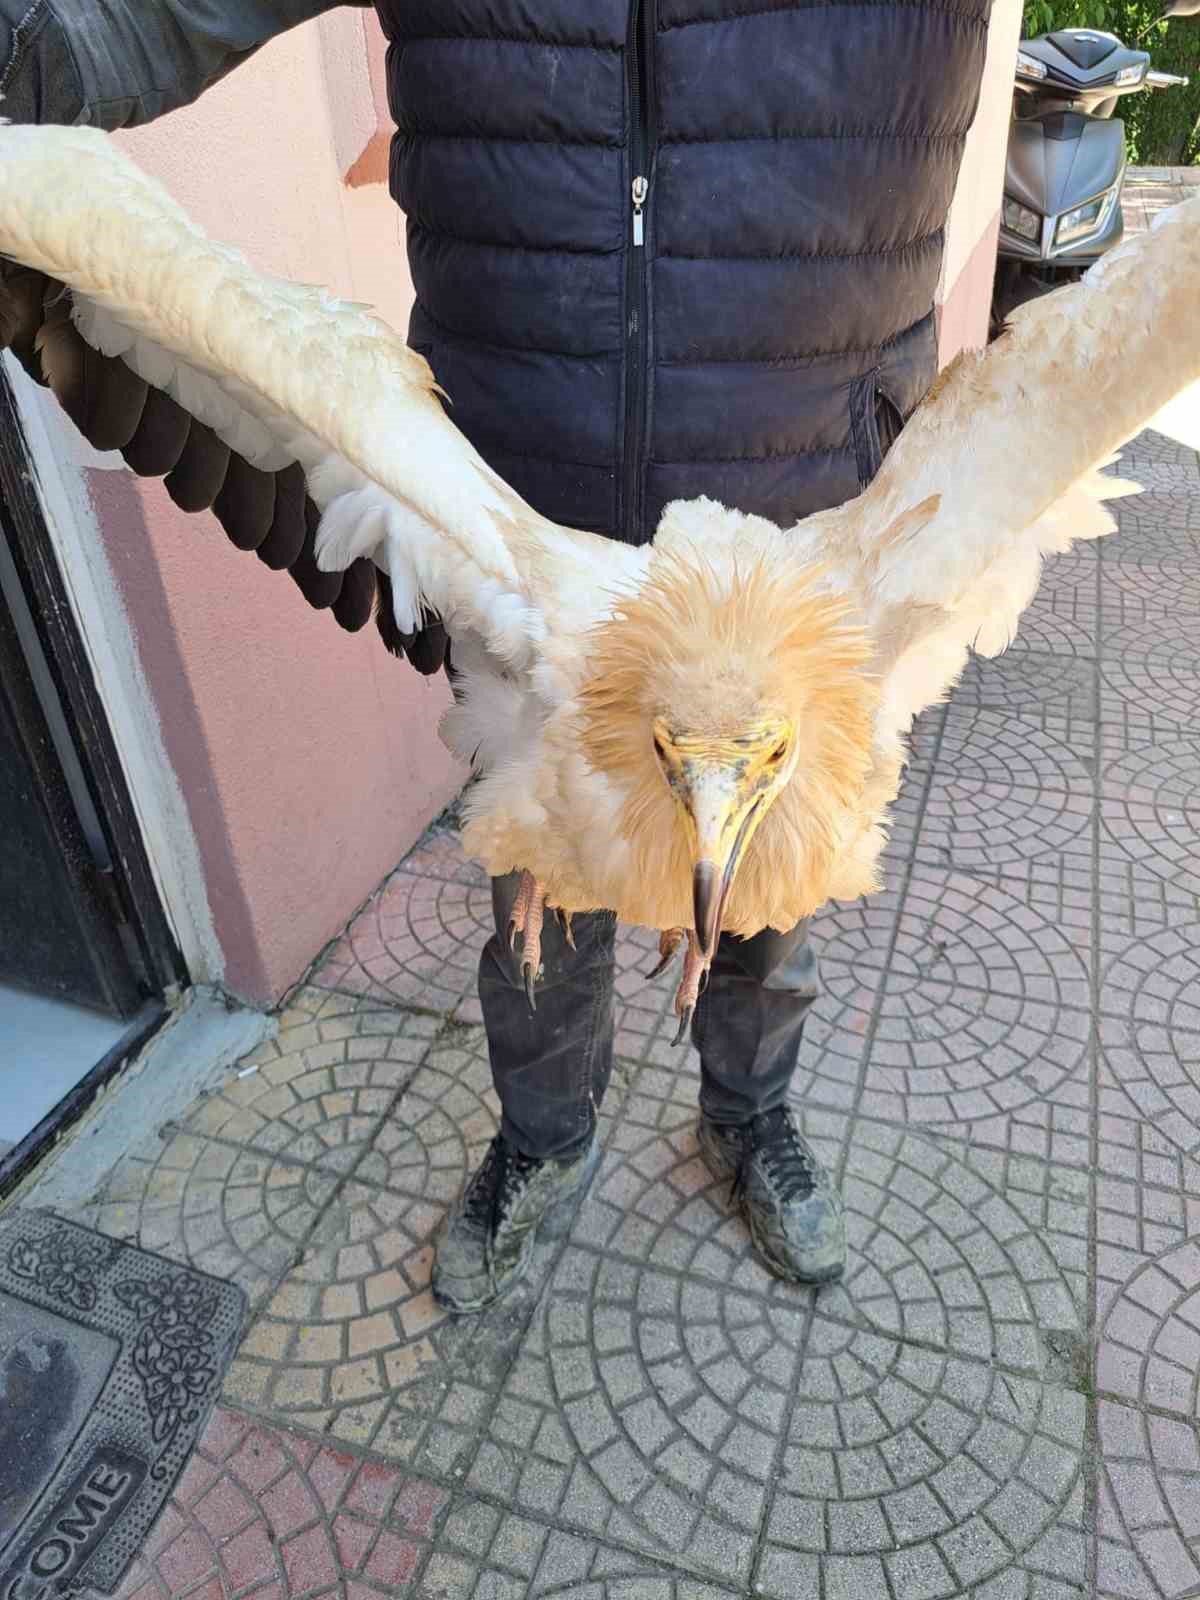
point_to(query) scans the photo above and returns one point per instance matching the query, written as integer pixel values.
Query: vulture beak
(724, 787)
(723, 816)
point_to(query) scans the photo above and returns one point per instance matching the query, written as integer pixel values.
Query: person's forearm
(117, 63)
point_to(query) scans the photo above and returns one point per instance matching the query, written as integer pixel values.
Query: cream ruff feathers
(728, 704)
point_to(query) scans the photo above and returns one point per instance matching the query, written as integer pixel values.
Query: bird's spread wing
(287, 389)
(1003, 462)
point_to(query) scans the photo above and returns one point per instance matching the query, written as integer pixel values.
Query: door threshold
(41, 1139)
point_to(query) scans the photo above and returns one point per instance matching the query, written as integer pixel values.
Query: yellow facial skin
(724, 786)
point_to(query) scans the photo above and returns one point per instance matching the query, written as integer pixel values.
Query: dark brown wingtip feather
(394, 642)
(269, 513)
(319, 588)
(354, 605)
(245, 506)
(285, 539)
(22, 296)
(428, 650)
(102, 396)
(158, 442)
(195, 480)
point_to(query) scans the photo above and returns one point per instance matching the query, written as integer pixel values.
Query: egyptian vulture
(701, 734)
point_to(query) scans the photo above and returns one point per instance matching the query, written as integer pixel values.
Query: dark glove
(269, 513)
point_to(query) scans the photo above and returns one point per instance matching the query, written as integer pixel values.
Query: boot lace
(787, 1159)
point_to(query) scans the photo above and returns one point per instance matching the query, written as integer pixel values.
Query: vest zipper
(640, 65)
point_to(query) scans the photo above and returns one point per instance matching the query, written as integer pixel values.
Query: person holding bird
(661, 249)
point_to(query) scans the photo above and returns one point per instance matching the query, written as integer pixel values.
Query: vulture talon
(564, 922)
(527, 916)
(530, 974)
(691, 986)
(669, 941)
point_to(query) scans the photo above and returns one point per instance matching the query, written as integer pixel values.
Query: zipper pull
(641, 188)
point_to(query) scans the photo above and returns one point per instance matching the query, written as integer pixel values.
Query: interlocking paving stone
(1001, 791)
(352, 1344)
(1150, 811)
(237, 1186)
(1148, 1515)
(1149, 1028)
(983, 1003)
(263, 1510)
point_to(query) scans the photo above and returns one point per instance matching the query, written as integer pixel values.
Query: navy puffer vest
(664, 248)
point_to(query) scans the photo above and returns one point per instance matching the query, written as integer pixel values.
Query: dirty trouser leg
(750, 1020)
(550, 1067)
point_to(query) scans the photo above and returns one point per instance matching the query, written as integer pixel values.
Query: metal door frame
(134, 936)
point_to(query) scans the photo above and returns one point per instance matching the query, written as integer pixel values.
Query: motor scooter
(1065, 166)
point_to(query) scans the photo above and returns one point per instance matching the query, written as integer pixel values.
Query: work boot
(486, 1244)
(790, 1205)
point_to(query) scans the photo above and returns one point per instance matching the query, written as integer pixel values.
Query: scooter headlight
(1130, 75)
(1029, 66)
(1020, 220)
(1084, 220)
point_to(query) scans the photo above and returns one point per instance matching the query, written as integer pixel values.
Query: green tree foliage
(1164, 128)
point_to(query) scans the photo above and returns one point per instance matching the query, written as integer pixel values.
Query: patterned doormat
(110, 1361)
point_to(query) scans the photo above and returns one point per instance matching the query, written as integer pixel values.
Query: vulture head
(729, 700)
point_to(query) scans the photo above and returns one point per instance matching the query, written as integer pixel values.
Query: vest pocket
(875, 423)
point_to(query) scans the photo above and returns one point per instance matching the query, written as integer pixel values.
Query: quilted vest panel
(759, 324)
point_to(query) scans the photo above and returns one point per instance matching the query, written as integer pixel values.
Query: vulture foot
(669, 941)
(527, 918)
(691, 986)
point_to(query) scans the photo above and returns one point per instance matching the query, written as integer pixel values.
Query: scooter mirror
(1181, 8)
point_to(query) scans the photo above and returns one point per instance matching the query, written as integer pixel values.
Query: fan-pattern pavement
(999, 1402)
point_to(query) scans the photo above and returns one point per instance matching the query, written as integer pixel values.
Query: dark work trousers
(551, 1068)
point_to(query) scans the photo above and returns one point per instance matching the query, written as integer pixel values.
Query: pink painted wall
(308, 758)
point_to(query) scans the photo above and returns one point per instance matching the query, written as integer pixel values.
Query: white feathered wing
(282, 372)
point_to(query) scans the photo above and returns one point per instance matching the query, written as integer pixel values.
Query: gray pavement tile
(982, 1003)
(934, 1474)
(1149, 1027)
(1066, 603)
(971, 1251)
(417, 940)
(673, 1397)
(1000, 792)
(1150, 667)
(965, 1247)
(1151, 447)
(1153, 516)
(924, 1403)
(1133, 903)
(351, 1344)
(1148, 1345)
(237, 1185)
(1150, 813)
(1030, 679)
(1153, 573)
(505, 1556)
